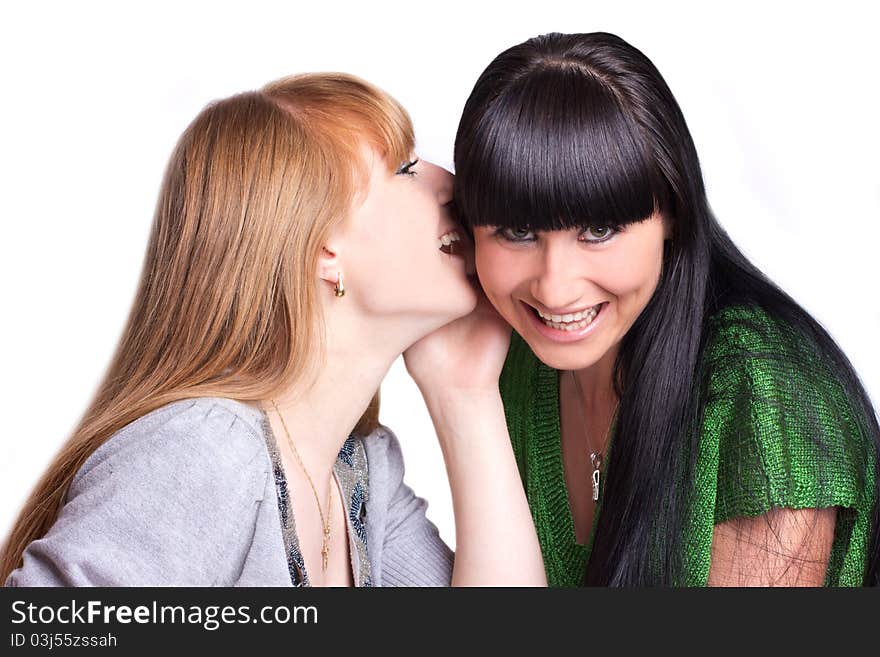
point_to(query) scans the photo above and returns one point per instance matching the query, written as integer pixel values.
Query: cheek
(386, 251)
(633, 274)
(400, 235)
(496, 268)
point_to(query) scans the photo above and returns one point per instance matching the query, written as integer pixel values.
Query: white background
(782, 100)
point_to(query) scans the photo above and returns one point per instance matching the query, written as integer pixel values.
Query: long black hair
(566, 130)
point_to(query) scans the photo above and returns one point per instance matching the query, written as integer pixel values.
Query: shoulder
(780, 422)
(748, 350)
(755, 360)
(384, 457)
(385, 467)
(170, 499)
(766, 371)
(750, 331)
(193, 442)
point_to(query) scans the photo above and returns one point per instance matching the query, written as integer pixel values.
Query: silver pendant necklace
(596, 456)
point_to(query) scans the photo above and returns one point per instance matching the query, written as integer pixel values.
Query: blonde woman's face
(395, 261)
(571, 294)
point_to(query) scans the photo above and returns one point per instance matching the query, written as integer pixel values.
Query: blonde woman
(298, 248)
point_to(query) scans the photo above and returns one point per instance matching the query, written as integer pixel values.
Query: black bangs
(555, 150)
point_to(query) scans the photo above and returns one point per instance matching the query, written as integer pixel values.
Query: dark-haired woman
(744, 446)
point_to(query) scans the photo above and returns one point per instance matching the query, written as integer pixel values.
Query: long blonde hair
(228, 302)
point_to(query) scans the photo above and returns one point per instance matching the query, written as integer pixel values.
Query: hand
(457, 369)
(464, 355)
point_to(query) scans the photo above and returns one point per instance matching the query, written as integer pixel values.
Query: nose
(440, 180)
(561, 282)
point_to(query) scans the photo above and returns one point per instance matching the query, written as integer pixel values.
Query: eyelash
(503, 234)
(404, 169)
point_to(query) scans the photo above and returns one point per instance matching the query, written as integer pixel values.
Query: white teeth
(448, 238)
(570, 321)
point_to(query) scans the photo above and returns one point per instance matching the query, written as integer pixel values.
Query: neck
(320, 417)
(596, 384)
(593, 392)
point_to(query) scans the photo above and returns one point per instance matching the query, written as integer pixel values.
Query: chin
(463, 304)
(574, 356)
(565, 358)
(448, 307)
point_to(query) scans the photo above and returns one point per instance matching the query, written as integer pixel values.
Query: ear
(329, 263)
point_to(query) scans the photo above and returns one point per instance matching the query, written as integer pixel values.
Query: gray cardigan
(185, 496)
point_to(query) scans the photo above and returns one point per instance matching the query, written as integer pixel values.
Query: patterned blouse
(350, 471)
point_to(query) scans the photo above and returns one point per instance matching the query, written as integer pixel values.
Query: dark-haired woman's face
(572, 295)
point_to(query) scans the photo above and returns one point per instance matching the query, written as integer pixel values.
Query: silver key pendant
(596, 460)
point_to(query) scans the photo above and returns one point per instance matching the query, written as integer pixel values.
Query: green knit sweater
(768, 397)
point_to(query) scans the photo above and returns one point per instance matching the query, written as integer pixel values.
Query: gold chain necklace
(325, 542)
(596, 456)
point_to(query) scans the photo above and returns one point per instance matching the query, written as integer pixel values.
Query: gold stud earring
(339, 290)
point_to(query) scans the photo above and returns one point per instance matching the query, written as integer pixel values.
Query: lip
(558, 335)
(462, 246)
(448, 229)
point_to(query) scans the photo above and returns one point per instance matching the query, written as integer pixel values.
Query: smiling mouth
(569, 321)
(449, 243)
